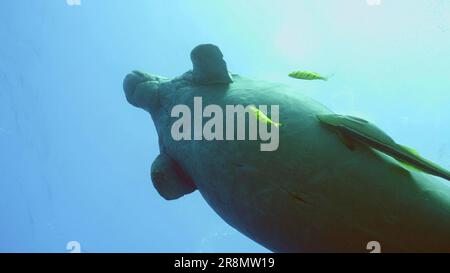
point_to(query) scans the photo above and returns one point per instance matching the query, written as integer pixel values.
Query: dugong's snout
(141, 90)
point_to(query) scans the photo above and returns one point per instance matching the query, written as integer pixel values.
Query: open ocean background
(75, 156)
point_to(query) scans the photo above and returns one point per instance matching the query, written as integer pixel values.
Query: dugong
(313, 193)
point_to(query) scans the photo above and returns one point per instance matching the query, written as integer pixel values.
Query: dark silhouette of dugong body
(312, 194)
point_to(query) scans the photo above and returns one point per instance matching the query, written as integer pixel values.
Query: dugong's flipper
(356, 129)
(169, 179)
(209, 66)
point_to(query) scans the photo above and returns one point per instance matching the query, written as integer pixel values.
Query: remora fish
(353, 129)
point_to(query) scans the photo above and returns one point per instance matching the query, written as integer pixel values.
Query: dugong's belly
(313, 193)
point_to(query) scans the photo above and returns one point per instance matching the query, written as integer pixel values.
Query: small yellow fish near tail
(307, 75)
(262, 117)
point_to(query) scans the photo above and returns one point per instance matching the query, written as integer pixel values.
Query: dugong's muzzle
(141, 90)
(209, 68)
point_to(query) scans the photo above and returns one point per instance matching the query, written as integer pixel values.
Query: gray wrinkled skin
(311, 195)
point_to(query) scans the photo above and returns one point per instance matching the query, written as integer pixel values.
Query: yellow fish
(262, 117)
(307, 75)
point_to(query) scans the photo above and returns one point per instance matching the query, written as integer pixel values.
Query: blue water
(75, 156)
